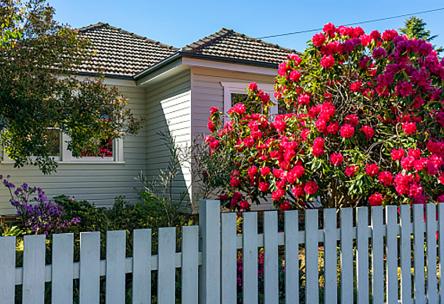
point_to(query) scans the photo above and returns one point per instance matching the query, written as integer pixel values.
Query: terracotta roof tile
(120, 53)
(229, 44)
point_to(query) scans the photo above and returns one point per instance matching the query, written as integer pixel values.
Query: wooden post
(210, 230)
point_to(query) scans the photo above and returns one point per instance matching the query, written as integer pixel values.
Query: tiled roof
(117, 52)
(228, 44)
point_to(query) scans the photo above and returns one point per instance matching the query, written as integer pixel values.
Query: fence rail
(378, 255)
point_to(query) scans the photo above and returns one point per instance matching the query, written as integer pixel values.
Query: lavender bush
(38, 214)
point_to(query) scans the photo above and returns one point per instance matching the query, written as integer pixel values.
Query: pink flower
(265, 171)
(333, 128)
(408, 162)
(371, 169)
(397, 154)
(213, 110)
(347, 131)
(351, 171)
(352, 119)
(295, 75)
(385, 178)
(318, 39)
(211, 126)
(368, 131)
(330, 29)
(318, 146)
(263, 186)
(376, 199)
(252, 86)
(282, 68)
(279, 125)
(295, 57)
(298, 191)
(409, 128)
(285, 205)
(388, 35)
(304, 99)
(252, 171)
(356, 86)
(244, 205)
(278, 194)
(327, 61)
(336, 159)
(311, 187)
(238, 108)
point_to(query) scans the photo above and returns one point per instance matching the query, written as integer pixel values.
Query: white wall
(99, 183)
(169, 111)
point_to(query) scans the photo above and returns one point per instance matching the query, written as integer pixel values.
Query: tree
(39, 91)
(415, 27)
(363, 125)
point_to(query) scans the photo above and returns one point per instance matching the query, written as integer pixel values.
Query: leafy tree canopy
(415, 27)
(39, 91)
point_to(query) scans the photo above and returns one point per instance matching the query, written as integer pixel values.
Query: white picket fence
(388, 256)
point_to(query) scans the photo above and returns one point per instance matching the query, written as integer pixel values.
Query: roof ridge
(265, 42)
(201, 43)
(104, 24)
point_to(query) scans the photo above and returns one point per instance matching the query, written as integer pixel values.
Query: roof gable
(117, 52)
(228, 44)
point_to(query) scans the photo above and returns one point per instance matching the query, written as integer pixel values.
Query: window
(110, 151)
(235, 92)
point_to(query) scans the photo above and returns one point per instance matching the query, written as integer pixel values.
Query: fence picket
(190, 264)
(311, 256)
(362, 255)
(115, 267)
(7, 269)
(392, 254)
(217, 259)
(34, 269)
(418, 249)
(346, 256)
(406, 258)
(441, 251)
(229, 259)
(209, 228)
(166, 281)
(142, 266)
(89, 268)
(271, 258)
(432, 281)
(62, 270)
(250, 259)
(330, 257)
(291, 257)
(377, 255)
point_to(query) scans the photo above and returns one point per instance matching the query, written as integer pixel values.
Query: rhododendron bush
(362, 123)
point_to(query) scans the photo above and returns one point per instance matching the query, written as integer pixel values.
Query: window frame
(241, 88)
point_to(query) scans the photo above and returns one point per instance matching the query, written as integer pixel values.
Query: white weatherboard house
(172, 89)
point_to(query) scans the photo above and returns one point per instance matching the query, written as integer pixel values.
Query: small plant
(37, 213)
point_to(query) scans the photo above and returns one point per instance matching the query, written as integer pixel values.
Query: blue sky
(181, 22)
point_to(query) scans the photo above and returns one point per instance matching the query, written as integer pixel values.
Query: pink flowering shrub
(362, 124)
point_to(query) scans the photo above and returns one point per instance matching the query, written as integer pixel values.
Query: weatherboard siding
(98, 183)
(207, 91)
(169, 112)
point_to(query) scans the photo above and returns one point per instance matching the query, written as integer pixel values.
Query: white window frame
(241, 88)
(117, 157)
(66, 156)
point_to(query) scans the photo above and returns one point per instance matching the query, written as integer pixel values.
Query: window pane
(105, 150)
(53, 139)
(238, 97)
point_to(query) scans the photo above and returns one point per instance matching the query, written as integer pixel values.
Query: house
(171, 88)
